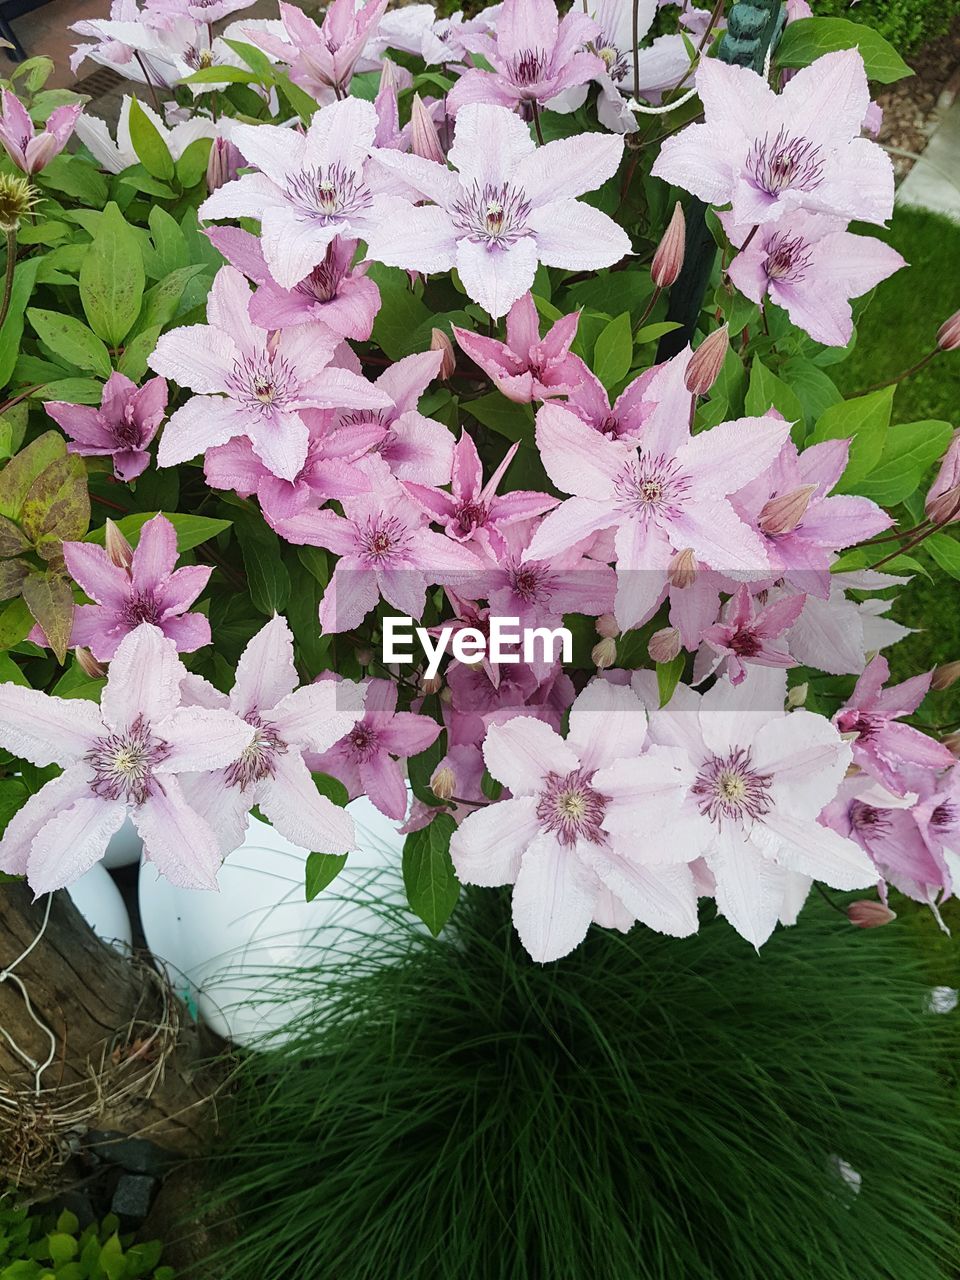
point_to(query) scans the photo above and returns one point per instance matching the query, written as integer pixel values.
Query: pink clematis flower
(534, 55)
(527, 367)
(206, 11)
(330, 470)
(366, 759)
(123, 426)
(770, 155)
(271, 771)
(152, 590)
(811, 266)
(509, 206)
(335, 293)
(385, 549)
(414, 446)
(624, 419)
(122, 759)
(745, 631)
(567, 836)
(802, 526)
(473, 511)
(762, 777)
(311, 188)
(322, 58)
(889, 751)
(666, 494)
(29, 150)
(252, 383)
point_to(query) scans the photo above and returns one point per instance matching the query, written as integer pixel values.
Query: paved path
(934, 181)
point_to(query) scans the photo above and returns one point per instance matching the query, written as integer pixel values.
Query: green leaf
(148, 143)
(11, 331)
(190, 530)
(428, 875)
(766, 390)
(945, 551)
(810, 38)
(160, 303)
(401, 311)
(223, 74)
(75, 177)
(13, 427)
(169, 240)
(255, 59)
(112, 1260)
(10, 673)
(112, 278)
(72, 340)
(515, 421)
(62, 1247)
(911, 449)
(20, 472)
(654, 332)
(16, 622)
(267, 576)
(613, 352)
(136, 353)
(814, 388)
(314, 560)
(322, 869)
(50, 600)
(864, 421)
(192, 165)
(73, 390)
(668, 677)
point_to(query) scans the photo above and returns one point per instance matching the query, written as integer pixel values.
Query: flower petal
(521, 752)
(296, 808)
(44, 729)
(487, 846)
(70, 844)
(553, 899)
(179, 843)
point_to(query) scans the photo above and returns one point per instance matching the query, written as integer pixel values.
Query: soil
(913, 108)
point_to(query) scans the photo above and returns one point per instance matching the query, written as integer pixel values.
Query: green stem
(8, 275)
(894, 382)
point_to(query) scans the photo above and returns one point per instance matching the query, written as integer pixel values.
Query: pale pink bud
(945, 675)
(868, 913)
(604, 653)
(88, 663)
(118, 548)
(948, 335)
(668, 258)
(952, 743)
(707, 361)
(365, 657)
(440, 342)
(948, 478)
(682, 570)
(223, 165)
(783, 513)
(443, 784)
(945, 507)
(606, 626)
(446, 694)
(431, 684)
(424, 139)
(664, 645)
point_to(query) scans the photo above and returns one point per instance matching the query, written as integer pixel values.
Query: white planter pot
(99, 901)
(224, 951)
(124, 848)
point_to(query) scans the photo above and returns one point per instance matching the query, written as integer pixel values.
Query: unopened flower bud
(707, 361)
(424, 139)
(668, 258)
(945, 485)
(952, 743)
(17, 199)
(118, 548)
(365, 657)
(223, 165)
(431, 684)
(867, 913)
(783, 513)
(604, 653)
(88, 663)
(682, 570)
(797, 696)
(945, 507)
(945, 675)
(664, 645)
(446, 695)
(440, 342)
(443, 784)
(948, 335)
(607, 627)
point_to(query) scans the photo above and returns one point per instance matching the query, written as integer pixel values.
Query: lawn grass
(898, 328)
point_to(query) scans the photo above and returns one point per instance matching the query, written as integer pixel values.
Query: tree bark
(128, 1057)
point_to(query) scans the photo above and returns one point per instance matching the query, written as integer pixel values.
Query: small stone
(133, 1197)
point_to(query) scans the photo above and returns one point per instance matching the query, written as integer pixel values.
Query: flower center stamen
(123, 763)
(570, 807)
(728, 787)
(784, 162)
